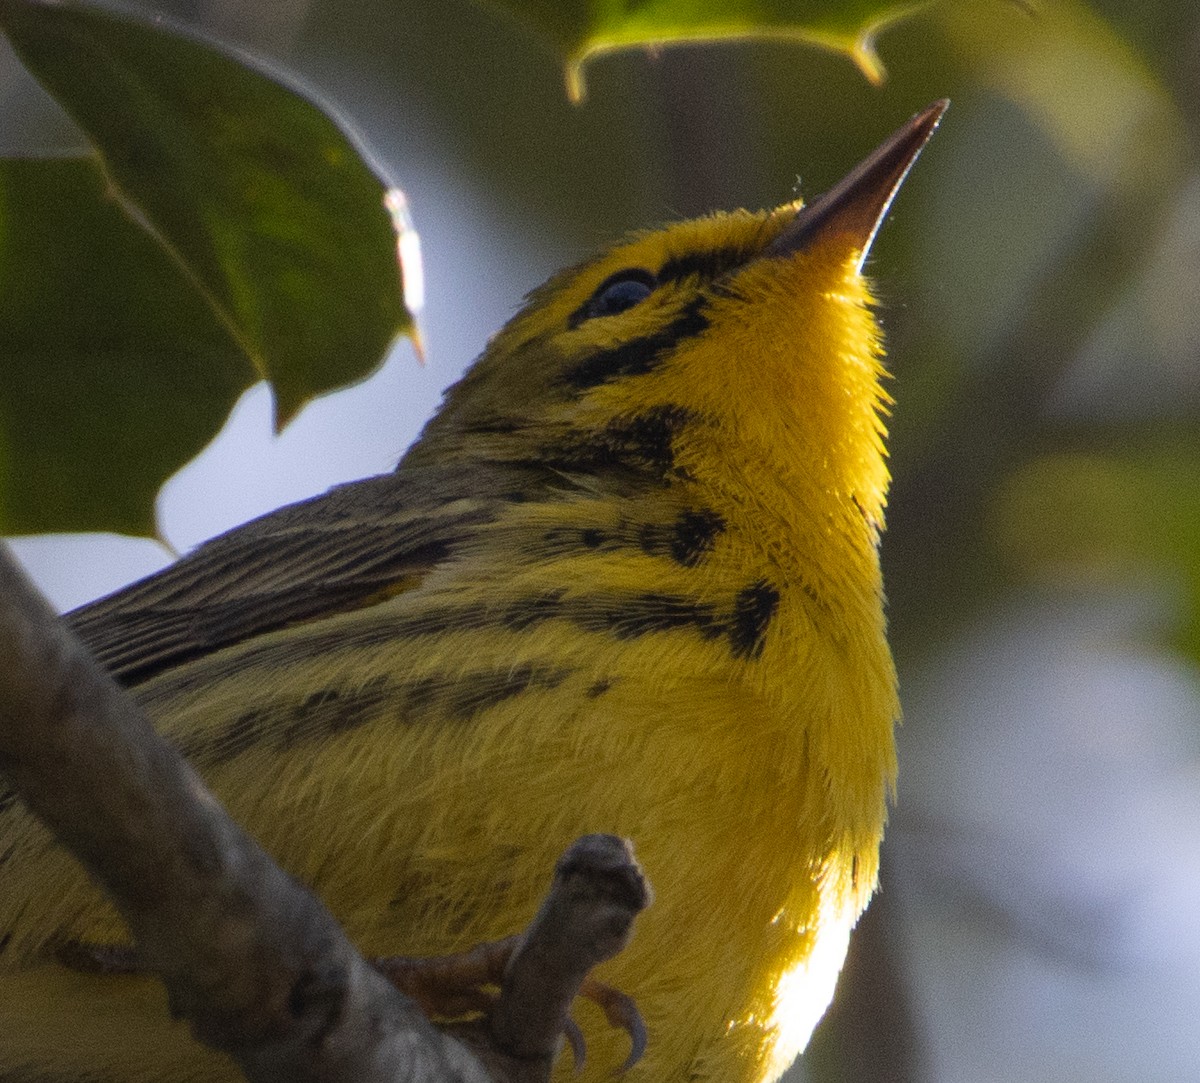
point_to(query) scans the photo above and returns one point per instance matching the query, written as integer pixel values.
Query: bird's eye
(618, 293)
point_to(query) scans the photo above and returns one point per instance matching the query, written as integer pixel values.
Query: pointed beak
(856, 205)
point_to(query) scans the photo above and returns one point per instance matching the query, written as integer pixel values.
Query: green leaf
(1128, 516)
(113, 371)
(580, 30)
(268, 206)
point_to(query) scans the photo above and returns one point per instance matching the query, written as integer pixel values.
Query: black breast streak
(638, 356)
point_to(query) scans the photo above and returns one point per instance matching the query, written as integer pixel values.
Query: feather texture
(625, 582)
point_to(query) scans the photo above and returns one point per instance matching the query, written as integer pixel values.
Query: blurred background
(1040, 289)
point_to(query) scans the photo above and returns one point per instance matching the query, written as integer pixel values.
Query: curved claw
(452, 986)
(578, 1046)
(620, 1010)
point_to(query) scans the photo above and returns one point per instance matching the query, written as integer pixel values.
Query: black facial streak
(693, 536)
(640, 355)
(644, 443)
(752, 612)
(648, 439)
(710, 263)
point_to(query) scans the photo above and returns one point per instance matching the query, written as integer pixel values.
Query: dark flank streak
(530, 611)
(631, 617)
(652, 538)
(640, 355)
(565, 540)
(752, 612)
(693, 535)
(461, 698)
(686, 540)
(7, 800)
(285, 725)
(625, 616)
(469, 696)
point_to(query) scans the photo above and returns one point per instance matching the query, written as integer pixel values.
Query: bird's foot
(449, 986)
(525, 984)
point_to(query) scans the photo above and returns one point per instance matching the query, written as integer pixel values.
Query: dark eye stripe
(640, 355)
(710, 263)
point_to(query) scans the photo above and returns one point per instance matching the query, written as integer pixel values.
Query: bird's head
(746, 331)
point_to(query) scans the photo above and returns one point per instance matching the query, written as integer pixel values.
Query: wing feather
(354, 545)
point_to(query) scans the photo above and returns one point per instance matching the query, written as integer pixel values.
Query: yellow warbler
(626, 581)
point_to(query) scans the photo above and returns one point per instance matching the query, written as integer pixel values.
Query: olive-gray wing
(353, 545)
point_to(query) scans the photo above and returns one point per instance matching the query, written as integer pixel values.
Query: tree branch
(249, 956)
